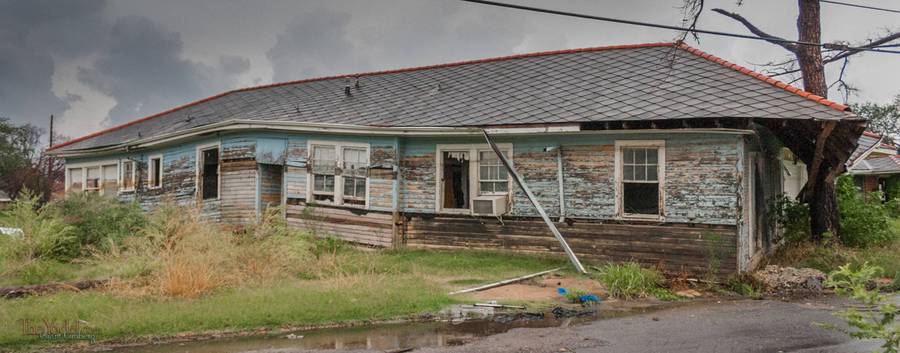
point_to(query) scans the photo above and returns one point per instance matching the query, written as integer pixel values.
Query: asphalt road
(730, 326)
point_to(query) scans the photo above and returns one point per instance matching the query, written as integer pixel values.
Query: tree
(884, 119)
(22, 163)
(806, 57)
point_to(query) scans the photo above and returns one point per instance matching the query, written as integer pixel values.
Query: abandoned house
(875, 166)
(657, 153)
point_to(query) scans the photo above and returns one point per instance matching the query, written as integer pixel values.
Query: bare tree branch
(758, 32)
(691, 14)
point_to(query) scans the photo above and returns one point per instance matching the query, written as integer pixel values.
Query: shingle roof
(881, 165)
(635, 82)
(866, 142)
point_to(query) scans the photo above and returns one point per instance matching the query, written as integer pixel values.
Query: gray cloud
(143, 68)
(316, 43)
(33, 35)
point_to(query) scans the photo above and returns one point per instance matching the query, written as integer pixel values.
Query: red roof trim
(741, 69)
(764, 78)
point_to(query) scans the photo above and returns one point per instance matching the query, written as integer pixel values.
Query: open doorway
(455, 166)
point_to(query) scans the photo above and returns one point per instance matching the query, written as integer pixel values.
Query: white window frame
(83, 166)
(151, 171)
(660, 145)
(122, 176)
(338, 177)
(474, 168)
(198, 168)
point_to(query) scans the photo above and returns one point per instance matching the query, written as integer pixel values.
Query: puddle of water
(378, 337)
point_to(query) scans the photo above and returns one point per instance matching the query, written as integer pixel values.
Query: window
(324, 164)
(76, 180)
(92, 181)
(208, 169)
(155, 172)
(339, 173)
(110, 183)
(641, 166)
(492, 175)
(469, 171)
(127, 176)
(354, 170)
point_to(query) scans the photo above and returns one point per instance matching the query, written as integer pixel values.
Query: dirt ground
(539, 289)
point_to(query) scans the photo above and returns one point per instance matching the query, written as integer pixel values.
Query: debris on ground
(689, 293)
(41, 289)
(790, 281)
(560, 312)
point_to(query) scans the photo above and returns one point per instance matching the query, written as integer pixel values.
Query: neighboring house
(657, 153)
(4, 200)
(875, 165)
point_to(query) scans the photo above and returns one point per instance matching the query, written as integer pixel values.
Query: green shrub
(42, 271)
(793, 217)
(629, 280)
(43, 236)
(100, 223)
(745, 284)
(878, 318)
(863, 223)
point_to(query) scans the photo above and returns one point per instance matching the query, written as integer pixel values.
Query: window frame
(133, 176)
(338, 193)
(84, 166)
(198, 169)
(474, 173)
(660, 146)
(151, 171)
(500, 166)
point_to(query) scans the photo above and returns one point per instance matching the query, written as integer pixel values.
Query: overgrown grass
(629, 280)
(289, 304)
(829, 257)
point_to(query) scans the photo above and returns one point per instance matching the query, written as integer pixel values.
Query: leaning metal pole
(521, 182)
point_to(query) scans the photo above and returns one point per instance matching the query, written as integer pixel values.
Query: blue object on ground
(589, 298)
(561, 291)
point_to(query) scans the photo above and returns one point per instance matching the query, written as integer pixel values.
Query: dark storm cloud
(142, 67)
(357, 36)
(32, 35)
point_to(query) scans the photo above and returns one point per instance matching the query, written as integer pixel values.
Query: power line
(677, 28)
(859, 6)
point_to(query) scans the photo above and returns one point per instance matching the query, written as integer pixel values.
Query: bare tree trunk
(824, 216)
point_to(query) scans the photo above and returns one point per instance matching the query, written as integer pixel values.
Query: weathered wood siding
(673, 247)
(353, 225)
(271, 178)
(238, 197)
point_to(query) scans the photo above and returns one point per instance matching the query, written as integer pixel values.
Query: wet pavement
(724, 326)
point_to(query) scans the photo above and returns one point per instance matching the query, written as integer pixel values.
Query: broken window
(110, 182)
(640, 186)
(127, 176)
(209, 173)
(354, 170)
(92, 182)
(76, 180)
(324, 161)
(155, 172)
(455, 168)
(492, 175)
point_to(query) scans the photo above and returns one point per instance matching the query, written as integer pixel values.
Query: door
(455, 180)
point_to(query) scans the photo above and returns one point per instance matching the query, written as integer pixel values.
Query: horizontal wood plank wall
(270, 183)
(238, 203)
(356, 226)
(674, 247)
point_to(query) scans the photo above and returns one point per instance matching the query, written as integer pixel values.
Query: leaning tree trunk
(821, 197)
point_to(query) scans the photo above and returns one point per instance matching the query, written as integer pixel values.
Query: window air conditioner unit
(490, 205)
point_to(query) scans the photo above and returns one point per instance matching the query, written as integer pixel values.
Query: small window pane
(93, 178)
(487, 186)
(348, 187)
(628, 155)
(651, 173)
(628, 172)
(75, 180)
(503, 173)
(641, 198)
(639, 173)
(361, 188)
(651, 156)
(640, 155)
(501, 187)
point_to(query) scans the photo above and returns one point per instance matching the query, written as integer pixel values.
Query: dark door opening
(456, 180)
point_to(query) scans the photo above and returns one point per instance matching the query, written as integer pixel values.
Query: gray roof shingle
(584, 85)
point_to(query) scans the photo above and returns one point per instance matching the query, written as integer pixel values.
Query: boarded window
(354, 170)
(92, 182)
(209, 173)
(76, 180)
(324, 162)
(110, 182)
(155, 172)
(128, 175)
(640, 180)
(492, 175)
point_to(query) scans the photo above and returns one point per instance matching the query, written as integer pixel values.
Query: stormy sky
(99, 63)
